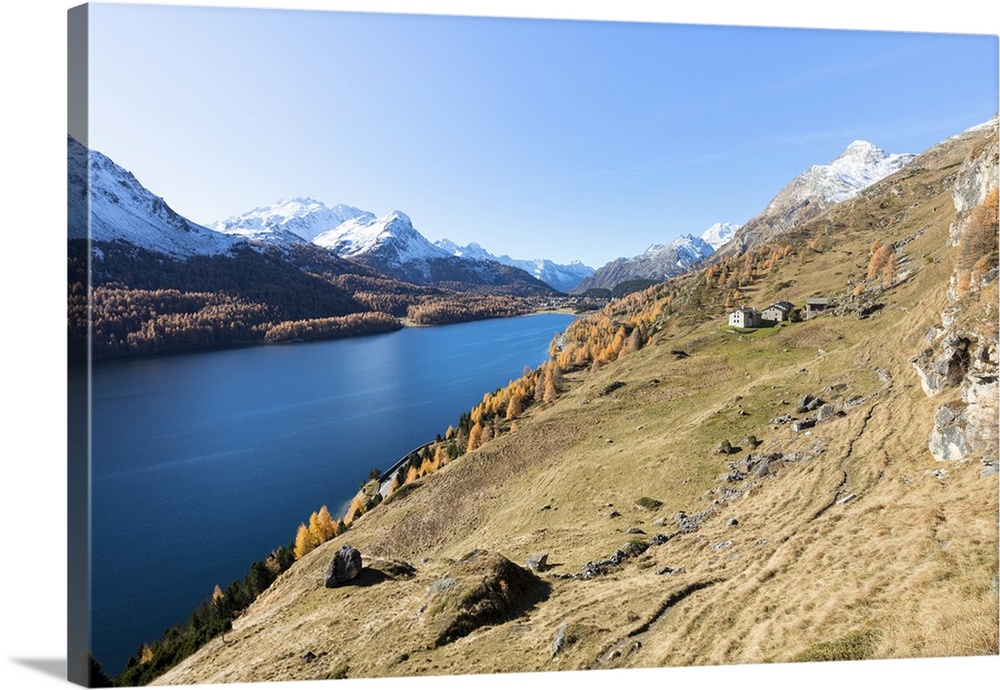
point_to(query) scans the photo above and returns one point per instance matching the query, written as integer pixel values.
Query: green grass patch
(853, 647)
(649, 503)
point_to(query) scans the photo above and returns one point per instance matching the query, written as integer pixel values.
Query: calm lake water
(203, 463)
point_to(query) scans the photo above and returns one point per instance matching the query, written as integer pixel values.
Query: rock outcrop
(484, 588)
(344, 566)
(961, 361)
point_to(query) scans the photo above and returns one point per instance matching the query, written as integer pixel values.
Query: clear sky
(537, 138)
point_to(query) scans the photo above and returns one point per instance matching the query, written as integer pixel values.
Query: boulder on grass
(344, 566)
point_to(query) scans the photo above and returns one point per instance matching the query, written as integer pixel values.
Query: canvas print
(412, 345)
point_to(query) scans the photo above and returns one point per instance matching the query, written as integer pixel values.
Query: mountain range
(121, 210)
(659, 261)
(563, 277)
(388, 243)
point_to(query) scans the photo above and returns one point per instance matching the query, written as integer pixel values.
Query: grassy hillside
(846, 540)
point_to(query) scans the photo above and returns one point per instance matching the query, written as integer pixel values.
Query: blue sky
(564, 139)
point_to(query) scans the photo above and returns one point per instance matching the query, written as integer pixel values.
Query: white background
(32, 417)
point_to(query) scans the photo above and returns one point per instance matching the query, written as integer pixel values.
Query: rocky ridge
(960, 362)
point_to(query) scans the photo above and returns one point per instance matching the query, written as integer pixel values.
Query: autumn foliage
(321, 529)
(978, 243)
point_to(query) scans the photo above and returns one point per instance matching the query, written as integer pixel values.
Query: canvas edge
(78, 640)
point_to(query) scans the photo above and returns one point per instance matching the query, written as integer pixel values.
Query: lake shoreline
(262, 427)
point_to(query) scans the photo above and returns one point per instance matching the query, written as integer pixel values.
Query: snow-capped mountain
(859, 166)
(719, 234)
(562, 277)
(659, 261)
(392, 238)
(390, 244)
(119, 208)
(107, 204)
(305, 218)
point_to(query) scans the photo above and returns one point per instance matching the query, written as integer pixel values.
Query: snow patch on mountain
(107, 203)
(302, 216)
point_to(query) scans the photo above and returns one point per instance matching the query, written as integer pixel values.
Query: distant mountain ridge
(563, 277)
(857, 167)
(659, 261)
(390, 244)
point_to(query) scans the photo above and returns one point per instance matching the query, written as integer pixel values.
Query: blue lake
(203, 463)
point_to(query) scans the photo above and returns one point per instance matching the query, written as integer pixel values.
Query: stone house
(744, 317)
(779, 311)
(815, 305)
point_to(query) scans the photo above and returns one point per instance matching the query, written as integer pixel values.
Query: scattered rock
(691, 523)
(724, 447)
(783, 419)
(750, 442)
(308, 656)
(803, 424)
(723, 545)
(763, 465)
(808, 403)
(826, 411)
(635, 530)
(546, 507)
(732, 522)
(343, 567)
(538, 562)
(846, 499)
(614, 514)
(679, 354)
(662, 538)
(609, 440)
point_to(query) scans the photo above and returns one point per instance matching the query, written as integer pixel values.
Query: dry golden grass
(854, 550)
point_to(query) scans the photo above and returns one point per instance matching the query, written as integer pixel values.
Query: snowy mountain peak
(856, 168)
(392, 235)
(288, 220)
(861, 149)
(107, 203)
(719, 234)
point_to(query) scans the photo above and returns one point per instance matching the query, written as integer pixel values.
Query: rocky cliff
(960, 362)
